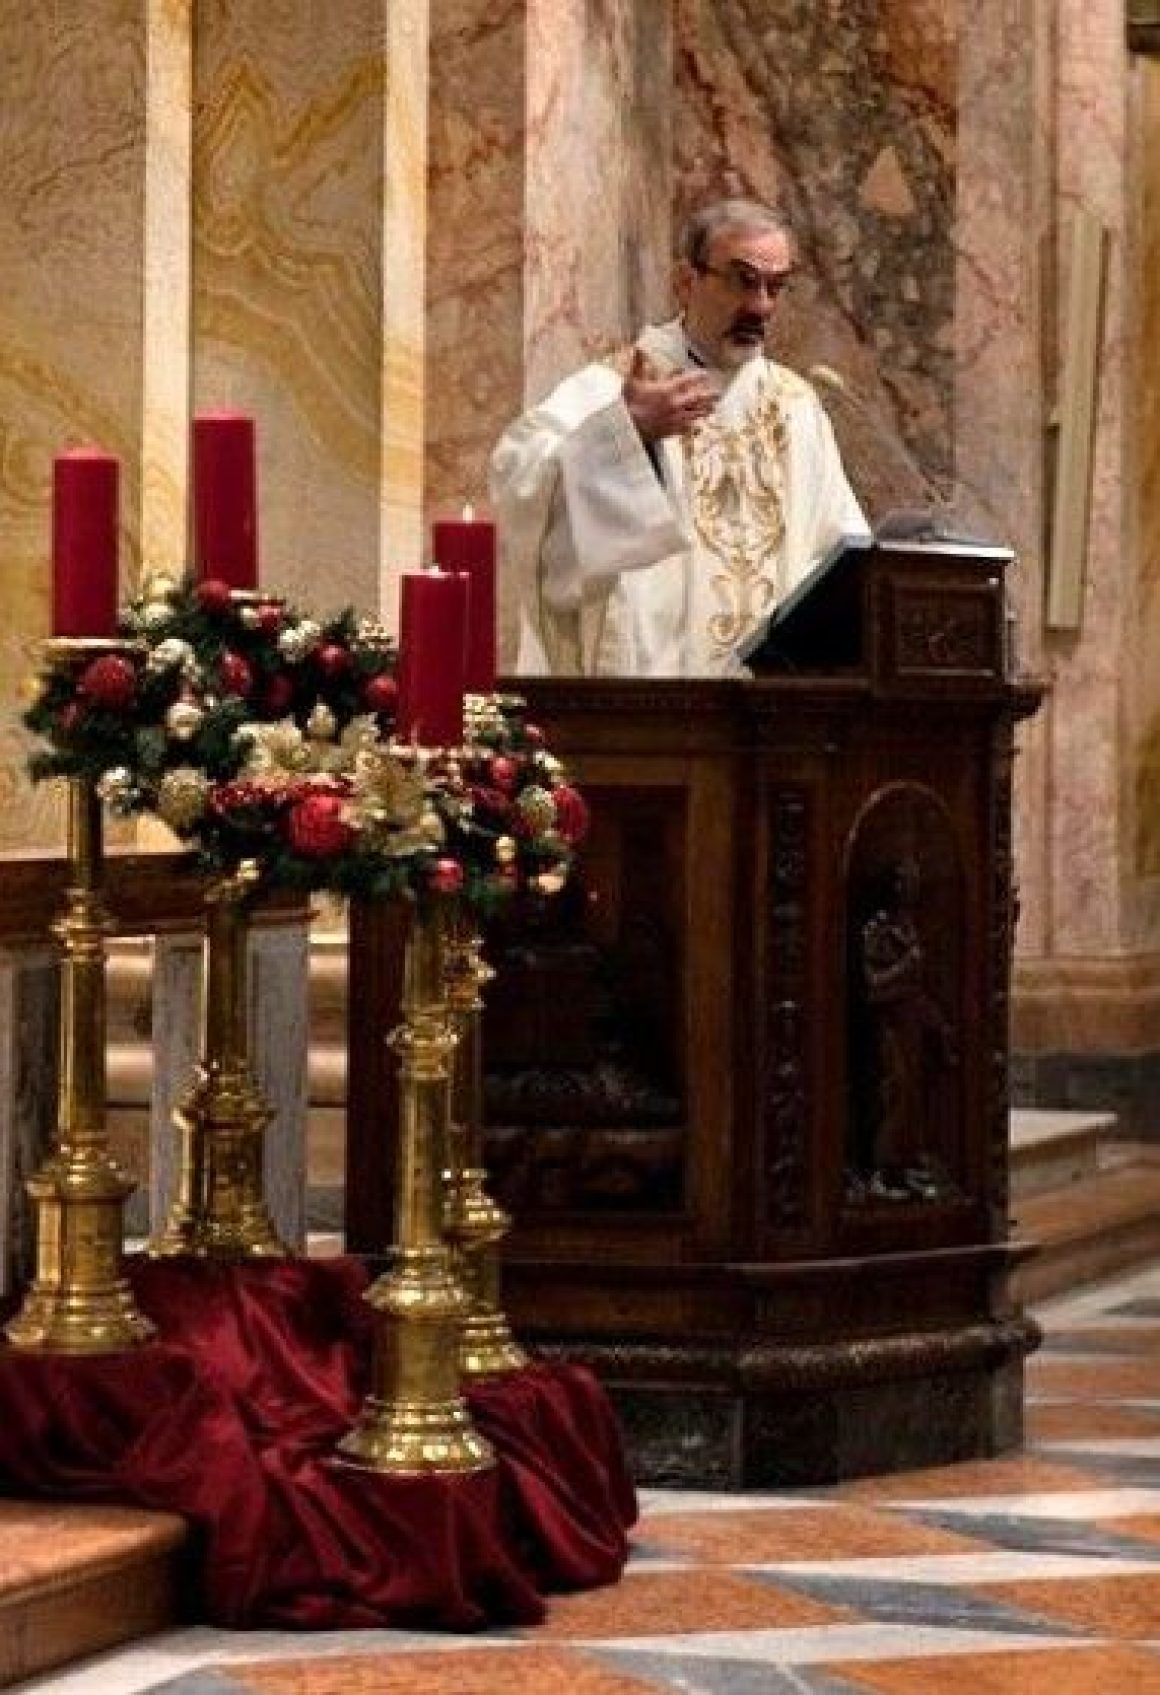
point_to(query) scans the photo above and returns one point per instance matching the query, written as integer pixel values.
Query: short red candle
(432, 652)
(85, 488)
(225, 522)
(467, 544)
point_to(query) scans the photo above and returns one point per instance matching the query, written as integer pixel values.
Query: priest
(655, 508)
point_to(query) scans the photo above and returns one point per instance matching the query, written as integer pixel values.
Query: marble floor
(1035, 1574)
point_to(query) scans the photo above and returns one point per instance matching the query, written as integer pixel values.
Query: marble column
(1087, 1007)
(551, 136)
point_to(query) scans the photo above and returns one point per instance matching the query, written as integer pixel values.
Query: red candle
(432, 652)
(85, 486)
(467, 544)
(225, 524)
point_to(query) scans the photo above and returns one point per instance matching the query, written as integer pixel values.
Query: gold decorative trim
(736, 478)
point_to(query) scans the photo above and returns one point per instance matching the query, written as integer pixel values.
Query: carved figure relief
(903, 1048)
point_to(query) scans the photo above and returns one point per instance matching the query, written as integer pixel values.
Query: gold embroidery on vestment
(735, 475)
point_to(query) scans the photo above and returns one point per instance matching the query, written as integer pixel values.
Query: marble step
(1051, 1149)
(1092, 1229)
(76, 1578)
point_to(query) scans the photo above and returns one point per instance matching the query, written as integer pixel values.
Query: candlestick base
(220, 1209)
(476, 1225)
(220, 1212)
(416, 1421)
(79, 1301)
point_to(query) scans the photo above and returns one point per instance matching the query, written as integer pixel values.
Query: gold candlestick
(475, 1223)
(415, 1419)
(79, 1301)
(219, 1211)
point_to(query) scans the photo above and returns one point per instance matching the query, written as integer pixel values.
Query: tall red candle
(432, 654)
(467, 544)
(225, 521)
(85, 489)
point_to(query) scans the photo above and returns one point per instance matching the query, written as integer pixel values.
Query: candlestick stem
(219, 1211)
(475, 1223)
(79, 1301)
(415, 1419)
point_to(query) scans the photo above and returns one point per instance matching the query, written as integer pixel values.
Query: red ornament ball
(317, 827)
(571, 813)
(110, 681)
(533, 735)
(269, 619)
(214, 596)
(332, 660)
(503, 772)
(447, 876)
(234, 675)
(277, 694)
(381, 693)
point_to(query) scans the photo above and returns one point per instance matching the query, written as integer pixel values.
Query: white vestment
(622, 567)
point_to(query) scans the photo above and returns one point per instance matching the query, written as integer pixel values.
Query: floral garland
(256, 733)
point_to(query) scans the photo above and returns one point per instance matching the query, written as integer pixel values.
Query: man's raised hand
(662, 406)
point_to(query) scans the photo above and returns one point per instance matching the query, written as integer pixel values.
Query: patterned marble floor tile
(1110, 1379)
(482, 1671)
(1143, 1527)
(833, 1645)
(1091, 1503)
(1103, 1606)
(1124, 1468)
(1129, 1338)
(653, 1501)
(839, 1531)
(662, 1603)
(1074, 1422)
(1076, 1671)
(994, 1565)
(723, 1677)
(950, 1607)
(1017, 1474)
(1048, 1535)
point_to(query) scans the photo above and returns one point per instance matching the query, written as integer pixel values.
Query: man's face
(728, 299)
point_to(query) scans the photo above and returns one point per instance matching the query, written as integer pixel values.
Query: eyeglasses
(745, 279)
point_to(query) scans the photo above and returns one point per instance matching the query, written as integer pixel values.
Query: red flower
(234, 674)
(332, 660)
(110, 681)
(381, 692)
(277, 693)
(214, 596)
(447, 876)
(317, 828)
(572, 814)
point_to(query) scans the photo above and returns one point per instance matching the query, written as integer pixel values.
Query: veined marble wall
(845, 115)
(1145, 430)
(72, 171)
(309, 225)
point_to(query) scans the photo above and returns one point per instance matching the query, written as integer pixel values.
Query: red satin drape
(231, 1419)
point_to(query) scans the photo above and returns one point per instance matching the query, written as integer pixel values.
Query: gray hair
(709, 221)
